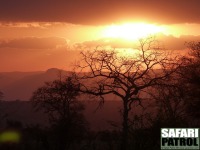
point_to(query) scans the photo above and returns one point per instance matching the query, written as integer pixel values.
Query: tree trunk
(125, 126)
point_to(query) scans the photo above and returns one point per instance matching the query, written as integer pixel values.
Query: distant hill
(20, 85)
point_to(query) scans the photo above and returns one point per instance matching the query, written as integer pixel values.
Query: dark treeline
(164, 87)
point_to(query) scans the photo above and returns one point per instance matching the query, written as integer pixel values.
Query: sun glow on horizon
(132, 31)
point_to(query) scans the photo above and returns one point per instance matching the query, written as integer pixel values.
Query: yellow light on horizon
(131, 31)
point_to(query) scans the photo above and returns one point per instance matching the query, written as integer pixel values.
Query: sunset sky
(39, 34)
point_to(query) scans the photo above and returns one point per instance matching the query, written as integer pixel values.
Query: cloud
(42, 25)
(105, 42)
(168, 42)
(17, 59)
(177, 43)
(96, 12)
(33, 43)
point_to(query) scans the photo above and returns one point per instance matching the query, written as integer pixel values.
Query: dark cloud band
(96, 12)
(33, 43)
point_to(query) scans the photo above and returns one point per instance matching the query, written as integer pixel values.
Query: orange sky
(37, 35)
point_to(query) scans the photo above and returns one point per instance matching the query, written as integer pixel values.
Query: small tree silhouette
(128, 77)
(170, 104)
(2, 116)
(1, 95)
(190, 76)
(59, 100)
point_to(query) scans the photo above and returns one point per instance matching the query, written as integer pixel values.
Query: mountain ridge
(21, 85)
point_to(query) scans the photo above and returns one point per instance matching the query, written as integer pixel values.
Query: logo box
(180, 138)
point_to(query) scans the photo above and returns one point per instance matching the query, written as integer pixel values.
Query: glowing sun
(131, 31)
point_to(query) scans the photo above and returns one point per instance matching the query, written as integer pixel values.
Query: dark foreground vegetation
(155, 91)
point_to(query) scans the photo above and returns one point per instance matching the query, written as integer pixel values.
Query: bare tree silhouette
(129, 77)
(59, 100)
